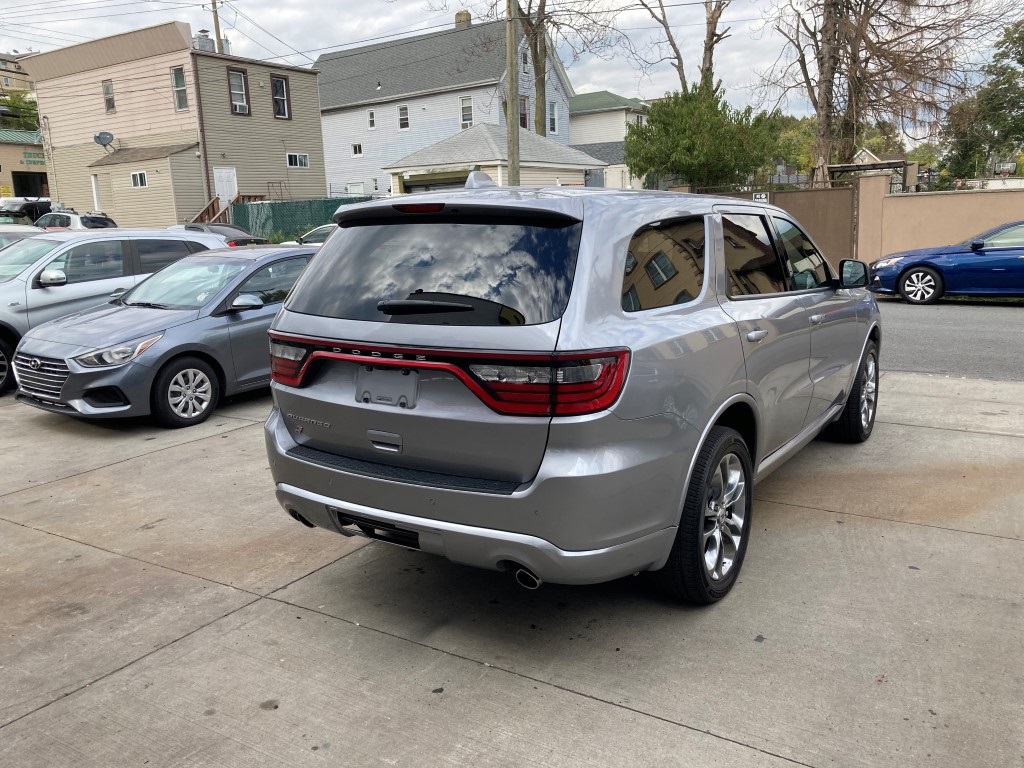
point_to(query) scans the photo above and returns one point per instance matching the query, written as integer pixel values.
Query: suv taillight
(559, 384)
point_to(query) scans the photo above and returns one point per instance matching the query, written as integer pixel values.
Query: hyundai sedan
(171, 347)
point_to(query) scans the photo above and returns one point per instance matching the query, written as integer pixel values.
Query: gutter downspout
(202, 132)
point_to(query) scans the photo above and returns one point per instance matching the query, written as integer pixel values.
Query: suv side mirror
(853, 274)
(52, 277)
(244, 301)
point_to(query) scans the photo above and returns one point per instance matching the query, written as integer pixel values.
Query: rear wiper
(421, 307)
(146, 304)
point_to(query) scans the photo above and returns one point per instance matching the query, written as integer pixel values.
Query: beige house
(13, 74)
(597, 127)
(153, 131)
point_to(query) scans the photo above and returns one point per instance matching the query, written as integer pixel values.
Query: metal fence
(287, 219)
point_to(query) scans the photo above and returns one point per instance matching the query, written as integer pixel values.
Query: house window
(282, 98)
(357, 150)
(403, 118)
(7, 82)
(466, 109)
(297, 160)
(660, 269)
(526, 62)
(355, 188)
(238, 86)
(108, 95)
(178, 88)
(524, 111)
(552, 117)
(371, 120)
(630, 300)
(139, 180)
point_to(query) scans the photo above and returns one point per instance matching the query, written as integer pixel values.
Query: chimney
(463, 20)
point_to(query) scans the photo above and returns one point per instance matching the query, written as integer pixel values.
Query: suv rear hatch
(419, 344)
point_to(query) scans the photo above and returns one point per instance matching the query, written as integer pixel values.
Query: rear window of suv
(478, 272)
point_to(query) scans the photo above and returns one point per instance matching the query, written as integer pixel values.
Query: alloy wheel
(724, 516)
(868, 391)
(920, 286)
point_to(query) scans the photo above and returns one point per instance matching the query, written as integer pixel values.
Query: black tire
(6, 366)
(687, 576)
(921, 285)
(185, 392)
(857, 419)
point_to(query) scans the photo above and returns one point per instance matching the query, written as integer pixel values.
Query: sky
(297, 31)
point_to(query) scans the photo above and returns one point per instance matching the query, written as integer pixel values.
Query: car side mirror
(977, 245)
(118, 293)
(853, 274)
(52, 277)
(244, 301)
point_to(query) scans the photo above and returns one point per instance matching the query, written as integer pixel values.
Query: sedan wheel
(724, 513)
(921, 285)
(6, 371)
(185, 392)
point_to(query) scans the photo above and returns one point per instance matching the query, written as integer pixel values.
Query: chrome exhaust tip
(527, 579)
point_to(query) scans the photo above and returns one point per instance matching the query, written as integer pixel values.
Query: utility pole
(216, 27)
(512, 97)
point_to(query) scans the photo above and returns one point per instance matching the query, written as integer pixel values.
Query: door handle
(756, 335)
(816, 319)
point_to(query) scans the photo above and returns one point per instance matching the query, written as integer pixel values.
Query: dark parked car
(989, 264)
(236, 236)
(171, 346)
(33, 208)
(571, 385)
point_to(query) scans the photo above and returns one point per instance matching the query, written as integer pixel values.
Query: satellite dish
(103, 138)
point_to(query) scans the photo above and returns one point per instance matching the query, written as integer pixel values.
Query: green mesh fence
(287, 219)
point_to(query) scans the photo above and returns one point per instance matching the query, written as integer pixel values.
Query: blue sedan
(171, 346)
(989, 264)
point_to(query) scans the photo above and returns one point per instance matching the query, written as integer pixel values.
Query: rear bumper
(589, 515)
(487, 548)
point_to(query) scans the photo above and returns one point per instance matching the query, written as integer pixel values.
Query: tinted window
(805, 261)
(750, 259)
(488, 272)
(99, 260)
(1011, 237)
(319, 235)
(97, 222)
(157, 254)
(672, 256)
(273, 282)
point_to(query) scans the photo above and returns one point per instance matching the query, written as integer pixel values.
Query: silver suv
(57, 273)
(570, 384)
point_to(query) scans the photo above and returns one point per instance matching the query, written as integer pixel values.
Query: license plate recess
(396, 387)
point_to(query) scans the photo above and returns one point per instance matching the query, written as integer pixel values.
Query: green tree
(698, 137)
(925, 154)
(796, 140)
(19, 112)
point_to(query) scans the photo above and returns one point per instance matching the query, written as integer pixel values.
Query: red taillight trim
(575, 399)
(232, 244)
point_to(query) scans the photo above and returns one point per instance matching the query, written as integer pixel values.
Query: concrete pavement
(158, 608)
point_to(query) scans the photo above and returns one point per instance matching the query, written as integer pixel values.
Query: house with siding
(13, 74)
(447, 164)
(153, 131)
(597, 126)
(381, 103)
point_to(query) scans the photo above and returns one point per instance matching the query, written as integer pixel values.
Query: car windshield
(186, 284)
(6, 238)
(17, 257)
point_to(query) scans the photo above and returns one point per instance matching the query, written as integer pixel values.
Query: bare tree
(861, 61)
(668, 49)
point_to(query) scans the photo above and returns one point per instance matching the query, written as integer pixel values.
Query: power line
(282, 42)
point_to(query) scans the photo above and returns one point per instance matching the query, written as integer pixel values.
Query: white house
(597, 127)
(381, 103)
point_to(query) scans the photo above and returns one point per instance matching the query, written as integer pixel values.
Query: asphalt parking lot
(159, 609)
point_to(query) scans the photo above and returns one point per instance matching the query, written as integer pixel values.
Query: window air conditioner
(240, 109)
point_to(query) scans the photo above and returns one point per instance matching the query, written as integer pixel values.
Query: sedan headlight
(119, 354)
(883, 263)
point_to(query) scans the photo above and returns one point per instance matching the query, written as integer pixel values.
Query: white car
(73, 220)
(315, 236)
(12, 233)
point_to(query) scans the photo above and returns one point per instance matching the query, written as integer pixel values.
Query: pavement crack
(827, 511)
(548, 683)
(958, 430)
